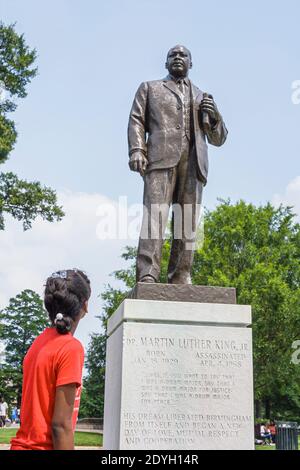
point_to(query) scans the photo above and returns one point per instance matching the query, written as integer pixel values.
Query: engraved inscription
(198, 376)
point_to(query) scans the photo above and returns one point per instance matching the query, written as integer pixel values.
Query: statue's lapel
(171, 85)
(196, 93)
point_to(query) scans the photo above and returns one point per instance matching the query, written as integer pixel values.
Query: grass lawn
(89, 439)
(273, 447)
(6, 434)
(265, 447)
(86, 439)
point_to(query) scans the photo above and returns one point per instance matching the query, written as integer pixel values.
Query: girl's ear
(84, 308)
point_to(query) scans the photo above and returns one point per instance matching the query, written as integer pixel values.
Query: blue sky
(92, 55)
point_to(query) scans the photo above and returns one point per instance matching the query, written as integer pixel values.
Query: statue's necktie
(181, 86)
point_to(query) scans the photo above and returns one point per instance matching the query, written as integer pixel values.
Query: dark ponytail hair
(65, 294)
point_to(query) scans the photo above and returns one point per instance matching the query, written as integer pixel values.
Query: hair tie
(58, 317)
(59, 275)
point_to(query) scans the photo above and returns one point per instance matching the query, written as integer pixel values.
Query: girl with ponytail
(52, 368)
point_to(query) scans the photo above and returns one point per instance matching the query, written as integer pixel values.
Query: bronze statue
(169, 123)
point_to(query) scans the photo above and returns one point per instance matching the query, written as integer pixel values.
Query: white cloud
(27, 258)
(291, 197)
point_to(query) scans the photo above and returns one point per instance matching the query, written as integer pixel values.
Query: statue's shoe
(185, 279)
(148, 278)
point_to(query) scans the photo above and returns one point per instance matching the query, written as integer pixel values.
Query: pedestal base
(183, 293)
(179, 376)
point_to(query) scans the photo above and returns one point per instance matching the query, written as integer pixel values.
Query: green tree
(257, 251)
(21, 322)
(21, 199)
(92, 398)
(16, 71)
(25, 201)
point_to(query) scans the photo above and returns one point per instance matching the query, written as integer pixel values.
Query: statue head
(179, 61)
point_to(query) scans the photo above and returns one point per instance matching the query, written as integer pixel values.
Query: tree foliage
(257, 250)
(21, 199)
(92, 398)
(16, 71)
(25, 201)
(21, 322)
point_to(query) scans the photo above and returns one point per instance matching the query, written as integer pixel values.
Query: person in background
(3, 412)
(14, 415)
(265, 434)
(52, 368)
(272, 428)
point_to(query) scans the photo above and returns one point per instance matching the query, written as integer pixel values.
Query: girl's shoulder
(69, 343)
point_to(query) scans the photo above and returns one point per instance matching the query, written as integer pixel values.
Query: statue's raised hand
(138, 162)
(209, 107)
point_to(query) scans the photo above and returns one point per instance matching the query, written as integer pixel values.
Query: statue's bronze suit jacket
(156, 126)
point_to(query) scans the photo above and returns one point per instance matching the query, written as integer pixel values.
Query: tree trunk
(257, 409)
(268, 408)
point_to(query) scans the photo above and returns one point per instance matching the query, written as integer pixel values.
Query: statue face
(178, 61)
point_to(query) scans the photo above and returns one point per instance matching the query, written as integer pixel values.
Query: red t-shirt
(51, 361)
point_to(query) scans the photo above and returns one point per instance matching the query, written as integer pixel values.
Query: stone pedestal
(179, 376)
